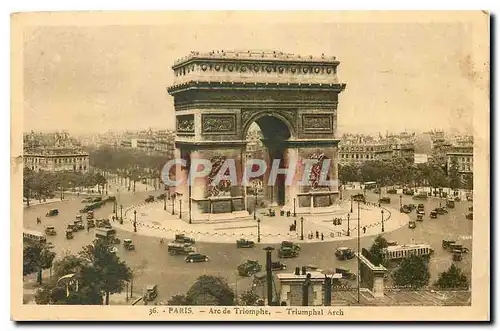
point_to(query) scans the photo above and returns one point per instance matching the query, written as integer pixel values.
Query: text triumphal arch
(293, 99)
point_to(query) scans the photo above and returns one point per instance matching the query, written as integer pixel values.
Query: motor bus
(402, 251)
(34, 236)
(370, 185)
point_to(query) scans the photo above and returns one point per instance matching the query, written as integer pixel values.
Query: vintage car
(412, 206)
(90, 215)
(385, 200)
(344, 253)
(441, 210)
(471, 208)
(78, 225)
(358, 197)
(446, 243)
(469, 216)
(420, 206)
(458, 247)
(249, 268)
(103, 223)
(420, 218)
(420, 196)
(405, 209)
(181, 238)
(392, 191)
(243, 243)
(433, 214)
(346, 273)
(52, 212)
(412, 224)
(79, 217)
(71, 227)
(287, 252)
(421, 212)
(450, 203)
(151, 292)
(90, 224)
(69, 234)
(196, 257)
(150, 198)
(407, 191)
(291, 245)
(174, 248)
(278, 265)
(129, 246)
(50, 230)
(161, 196)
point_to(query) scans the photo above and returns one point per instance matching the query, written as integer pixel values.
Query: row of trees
(400, 171)
(39, 185)
(95, 269)
(413, 271)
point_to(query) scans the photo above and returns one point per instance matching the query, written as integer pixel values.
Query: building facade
(56, 159)
(461, 153)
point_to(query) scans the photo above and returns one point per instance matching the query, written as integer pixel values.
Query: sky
(399, 76)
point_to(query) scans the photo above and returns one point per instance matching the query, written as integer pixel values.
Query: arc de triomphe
(293, 99)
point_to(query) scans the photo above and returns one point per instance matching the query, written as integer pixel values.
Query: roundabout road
(154, 265)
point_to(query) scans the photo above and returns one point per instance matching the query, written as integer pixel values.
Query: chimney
(303, 270)
(297, 271)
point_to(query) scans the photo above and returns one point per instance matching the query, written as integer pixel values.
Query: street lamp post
(351, 204)
(382, 212)
(165, 202)
(258, 230)
(401, 203)
(255, 202)
(135, 220)
(348, 226)
(269, 275)
(121, 214)
(173, 204)
(302, 228)
(294, 202)
(180, 209)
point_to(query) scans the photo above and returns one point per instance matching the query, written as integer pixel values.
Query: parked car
(196, 257)
(52, 212)
(344, 253)
(243, 243)
(278, 265)
(248, 268)
(149, 199)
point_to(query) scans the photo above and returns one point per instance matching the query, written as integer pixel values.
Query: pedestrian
(317, 234)
(88, 228)
(322, 236)
(364, 229)
(295, 223)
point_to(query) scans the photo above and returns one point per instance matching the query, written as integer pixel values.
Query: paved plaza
(153, 220)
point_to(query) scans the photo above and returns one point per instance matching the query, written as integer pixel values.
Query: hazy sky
(399, 76)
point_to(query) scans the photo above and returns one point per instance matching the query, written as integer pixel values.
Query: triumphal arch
(292, 98)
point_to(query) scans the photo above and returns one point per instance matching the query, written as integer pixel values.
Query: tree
(104, 268)
(249, 298)
(36, 257)
(412, 272)
(210, 290)
(469, 182)
(348, 173)
(376, 250)
(28, 178)
(453, 278)
(177, 300)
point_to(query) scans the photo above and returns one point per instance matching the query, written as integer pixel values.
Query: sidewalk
(152, 220)
(36, 202)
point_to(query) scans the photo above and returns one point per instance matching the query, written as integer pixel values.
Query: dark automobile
(471, 208)
(412, 225)
(392, 191)
(287, 252)
(180, 249)
(249, 268)
(180, 238)
(405, 209)
(344, 253)
(469, 216)
(278, 265)
(358, 197)
(52, 212)
(346, 273)
(149, 199)
(420, 218)
(408, 191)
(385, 200)
(196, 257)
(243, 243)
(433, 214)
(290, 244)
(457, 247)
(420, 196)
(457, 255)
(450, 203)
(412, 206)
(441, 210)
(161, 196)
(447, 243)
(69, 234)
(151, 292)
